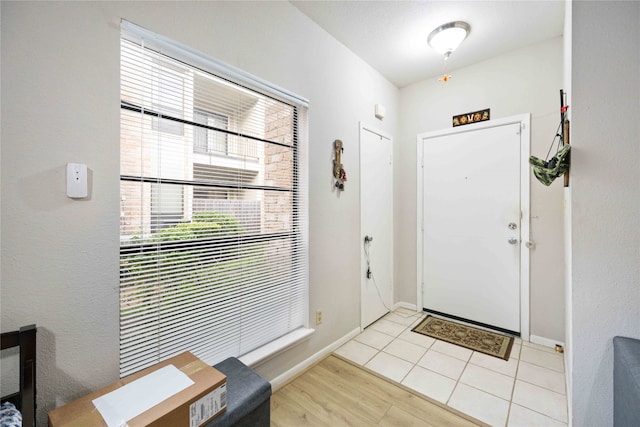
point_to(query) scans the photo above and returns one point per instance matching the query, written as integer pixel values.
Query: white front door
(472, 224)
(376, 212)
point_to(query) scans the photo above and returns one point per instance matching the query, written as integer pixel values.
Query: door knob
(513, 240)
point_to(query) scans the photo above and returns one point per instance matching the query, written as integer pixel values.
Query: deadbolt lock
(512, 226)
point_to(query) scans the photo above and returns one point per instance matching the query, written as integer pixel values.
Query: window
(213, 230)
(166, 206)
(208, 140)
(167, 87)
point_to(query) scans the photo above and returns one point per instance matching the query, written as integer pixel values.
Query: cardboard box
(191, 407)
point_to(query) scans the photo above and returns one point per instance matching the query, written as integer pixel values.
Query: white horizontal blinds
(213, 254)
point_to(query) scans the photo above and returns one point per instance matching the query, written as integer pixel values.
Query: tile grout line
(541, 386)
(458, 380)
(513, 387)
(414, 364)
(541, 414)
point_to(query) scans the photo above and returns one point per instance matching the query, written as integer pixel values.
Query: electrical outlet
(318, 317)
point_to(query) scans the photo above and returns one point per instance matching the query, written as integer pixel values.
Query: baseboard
(406, 305)
(285, 377)
(545, 341)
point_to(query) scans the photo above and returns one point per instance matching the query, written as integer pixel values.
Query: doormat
(475, 339)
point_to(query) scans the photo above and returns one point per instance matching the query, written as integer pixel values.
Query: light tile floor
(526, 390)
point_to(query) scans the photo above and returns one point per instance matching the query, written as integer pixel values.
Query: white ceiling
(392, 35)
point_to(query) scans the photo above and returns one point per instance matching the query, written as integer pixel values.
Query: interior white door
(471, 225)
(376, 207)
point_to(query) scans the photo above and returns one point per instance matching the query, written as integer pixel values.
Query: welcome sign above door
(468, 118)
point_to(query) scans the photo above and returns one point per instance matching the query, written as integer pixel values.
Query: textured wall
(509, 84)
(60, 103)
(605, 198)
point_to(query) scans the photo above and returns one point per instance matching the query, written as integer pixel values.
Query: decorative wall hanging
(565, 132)
(468, 118)
(546, 171)
(339, 174)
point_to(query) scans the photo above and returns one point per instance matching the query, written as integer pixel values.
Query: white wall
(60, 103)
(605, 198)
(524, 81)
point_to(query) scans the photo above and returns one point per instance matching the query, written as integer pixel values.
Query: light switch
(76, 180)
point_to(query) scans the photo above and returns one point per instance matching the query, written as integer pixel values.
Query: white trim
(568, 385)
(275, 347)
(286, 376)
(179, 51)
(364, 126)
(407, 305)
(376, 131)
(525, 224)
(547, 342)
(419, 225)
(525, 201)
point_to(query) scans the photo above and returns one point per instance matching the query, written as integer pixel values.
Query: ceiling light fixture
(446, 38)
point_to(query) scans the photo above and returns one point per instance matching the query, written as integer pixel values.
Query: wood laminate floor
(337, 393)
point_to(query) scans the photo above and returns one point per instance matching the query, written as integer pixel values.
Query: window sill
(275, 347)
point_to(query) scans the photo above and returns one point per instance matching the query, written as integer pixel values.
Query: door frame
(525, 201)
(363, 262)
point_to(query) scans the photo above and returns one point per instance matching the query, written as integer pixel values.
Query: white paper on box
(207, 406)
(131, 400)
